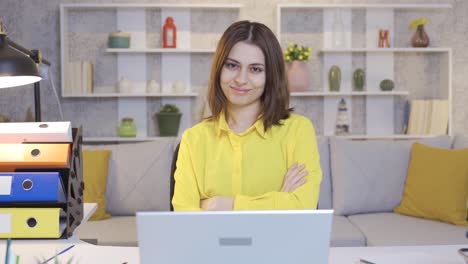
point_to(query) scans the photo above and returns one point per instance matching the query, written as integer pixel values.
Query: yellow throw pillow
(95, 168)
(436, 185)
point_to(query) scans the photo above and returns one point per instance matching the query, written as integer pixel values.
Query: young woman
(252, 153)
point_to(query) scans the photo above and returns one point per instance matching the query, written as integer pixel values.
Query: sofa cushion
(138, 176)
(116, 231)
(345, 234)
(390, 229)
(95, 171)
(369, 176)
(460, 142)
(436, 186)
(325, 199)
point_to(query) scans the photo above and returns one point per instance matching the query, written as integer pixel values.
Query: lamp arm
(34, 54)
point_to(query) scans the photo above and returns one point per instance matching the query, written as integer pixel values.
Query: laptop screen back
(301, 236)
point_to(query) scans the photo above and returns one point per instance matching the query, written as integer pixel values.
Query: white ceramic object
(179, 87)
(153, 87)
(125, 86)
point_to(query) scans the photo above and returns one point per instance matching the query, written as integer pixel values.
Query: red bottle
(169, 33)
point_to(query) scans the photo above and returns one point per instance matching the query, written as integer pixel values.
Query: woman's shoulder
(296, 120)
(203, 129)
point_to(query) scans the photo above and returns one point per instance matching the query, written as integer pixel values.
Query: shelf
(429, 50)
(396, 136)
(141, 139)
(160, 50)
(334, 94)
(368, 6)
(121, 139)
(182, 6)
(112, 95)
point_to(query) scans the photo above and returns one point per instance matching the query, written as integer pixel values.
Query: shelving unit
(141, 139)
(373, 114)
(119, 139)
(395, 6)
(84, 32)
(109, 50)
(353, 93)
(114, 95)
(384, 50)
(394, 136)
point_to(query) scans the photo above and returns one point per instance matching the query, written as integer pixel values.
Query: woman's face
(243, 75)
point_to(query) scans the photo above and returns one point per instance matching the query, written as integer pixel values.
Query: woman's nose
(241, 77)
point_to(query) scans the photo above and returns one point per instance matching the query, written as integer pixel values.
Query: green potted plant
(168, 120)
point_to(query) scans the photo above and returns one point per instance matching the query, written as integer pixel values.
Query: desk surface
(31, 250)
(446, 254)
(89, 254)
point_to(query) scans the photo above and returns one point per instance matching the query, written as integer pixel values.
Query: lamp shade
(16, 68)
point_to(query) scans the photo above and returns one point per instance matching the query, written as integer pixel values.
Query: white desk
(398, 255)
(91, 254)
(29, 250)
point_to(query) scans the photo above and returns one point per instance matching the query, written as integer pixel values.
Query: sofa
(363, 181)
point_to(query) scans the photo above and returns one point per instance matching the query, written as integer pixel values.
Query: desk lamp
(19, 66)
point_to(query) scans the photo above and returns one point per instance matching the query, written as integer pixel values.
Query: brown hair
(275, 98)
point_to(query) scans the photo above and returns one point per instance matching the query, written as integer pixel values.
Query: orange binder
(28, 156)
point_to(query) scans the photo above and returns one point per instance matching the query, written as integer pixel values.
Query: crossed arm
(294, 178)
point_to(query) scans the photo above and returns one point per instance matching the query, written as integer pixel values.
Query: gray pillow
(139, 176)
(325, 199)
(460, 142)
(369, 176)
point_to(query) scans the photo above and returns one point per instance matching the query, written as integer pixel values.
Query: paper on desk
(407, 258)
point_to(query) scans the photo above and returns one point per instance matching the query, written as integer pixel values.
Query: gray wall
(35, 24)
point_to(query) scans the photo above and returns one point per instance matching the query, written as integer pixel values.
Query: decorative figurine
(387, 85)
(342, 121)
(384, 41)
(359, 78)
(334, 78)
(169, 34)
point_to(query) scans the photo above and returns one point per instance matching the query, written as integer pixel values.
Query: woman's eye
(230, 65)
(256, 69)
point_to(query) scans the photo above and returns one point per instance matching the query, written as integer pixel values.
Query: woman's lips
(239, 90)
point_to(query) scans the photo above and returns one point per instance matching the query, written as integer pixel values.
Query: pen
(365, 261)
(7, 254)
(58, 254)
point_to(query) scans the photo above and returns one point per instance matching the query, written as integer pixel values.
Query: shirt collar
(223, 126)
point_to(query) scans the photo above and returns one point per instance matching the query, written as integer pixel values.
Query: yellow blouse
(213, 160)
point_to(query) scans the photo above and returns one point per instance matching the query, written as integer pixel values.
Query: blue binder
(23, 187)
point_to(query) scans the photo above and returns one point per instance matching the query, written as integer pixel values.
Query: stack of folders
(34, 164)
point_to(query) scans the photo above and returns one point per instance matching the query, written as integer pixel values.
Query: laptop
(241, 237)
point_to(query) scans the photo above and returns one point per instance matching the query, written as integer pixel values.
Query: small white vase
(125, 86)
(179, 86)
(153, 87)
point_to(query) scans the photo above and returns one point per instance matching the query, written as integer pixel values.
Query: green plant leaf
(169, 108)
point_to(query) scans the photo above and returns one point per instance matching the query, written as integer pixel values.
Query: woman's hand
(294, 178)
(218, 203)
